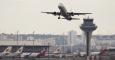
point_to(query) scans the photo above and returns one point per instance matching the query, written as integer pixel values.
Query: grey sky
(25, 16)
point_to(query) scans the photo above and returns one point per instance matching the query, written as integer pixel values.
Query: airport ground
(96, 57)
(67, 58)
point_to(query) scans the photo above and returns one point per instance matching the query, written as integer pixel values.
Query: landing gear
(59, 17)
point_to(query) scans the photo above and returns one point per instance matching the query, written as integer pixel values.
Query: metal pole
(0, 36)
(33, 40)
(48, 52)
(17, 37)
(63, 42)
(33, 37)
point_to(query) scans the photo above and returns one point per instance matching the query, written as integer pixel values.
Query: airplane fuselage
(14, 55)
(63, 12)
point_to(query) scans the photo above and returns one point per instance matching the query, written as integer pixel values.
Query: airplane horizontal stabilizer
(72, 18)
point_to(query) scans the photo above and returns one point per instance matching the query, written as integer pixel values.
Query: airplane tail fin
(20, 50)
(42, 53)
(8, 49)
(58, 50)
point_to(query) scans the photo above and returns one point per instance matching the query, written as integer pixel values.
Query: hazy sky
(26, 16)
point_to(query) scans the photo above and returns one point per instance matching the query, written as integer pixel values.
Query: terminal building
(27, 45)
(26, 48)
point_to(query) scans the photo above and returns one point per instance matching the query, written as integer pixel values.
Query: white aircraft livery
(63, 12)
(17, 53)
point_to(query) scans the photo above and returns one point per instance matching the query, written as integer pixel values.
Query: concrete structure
(27, 42)
(88, 27)
(72, 39)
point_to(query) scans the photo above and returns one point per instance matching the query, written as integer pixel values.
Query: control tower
(88, 27)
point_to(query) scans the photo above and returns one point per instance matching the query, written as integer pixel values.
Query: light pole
(48, 51)
(17, 37)
(33, 37)
(63, 43)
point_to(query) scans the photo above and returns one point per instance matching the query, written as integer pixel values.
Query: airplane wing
(72, 13)
(53, 13)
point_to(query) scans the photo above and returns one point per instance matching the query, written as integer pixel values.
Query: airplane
(55, 53)
(63, 12)
(6, 51)
(42, 53)
(25, 55)
(17, 53)
(34, 54)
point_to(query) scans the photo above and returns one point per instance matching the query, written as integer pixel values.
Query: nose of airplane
(60, 4)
